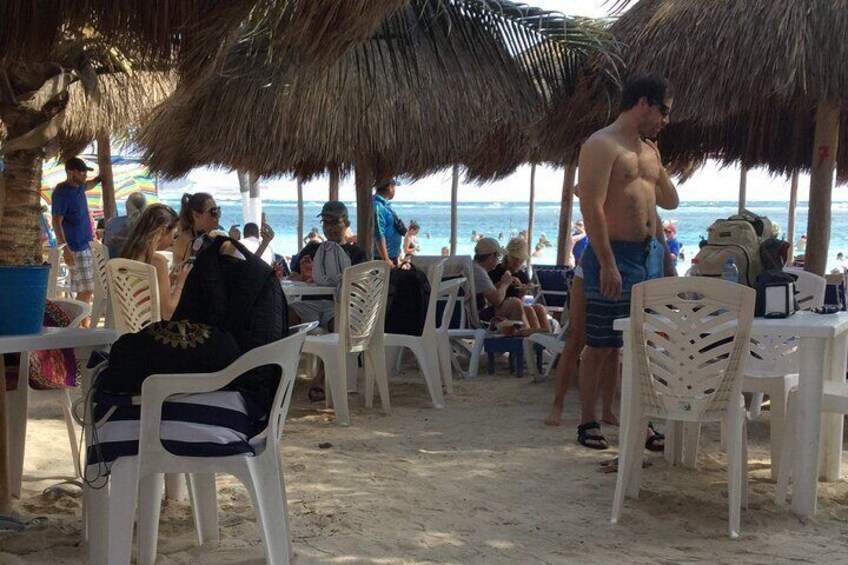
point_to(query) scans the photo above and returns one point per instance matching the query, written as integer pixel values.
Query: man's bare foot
(610, 418)
(554, 417)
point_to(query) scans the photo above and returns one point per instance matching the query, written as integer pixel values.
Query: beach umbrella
(435, 84)
(770, 68)
(130, 175)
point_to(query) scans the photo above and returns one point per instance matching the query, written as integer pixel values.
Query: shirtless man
(622, 181)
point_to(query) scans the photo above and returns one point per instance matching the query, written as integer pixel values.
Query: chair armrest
(448, 285)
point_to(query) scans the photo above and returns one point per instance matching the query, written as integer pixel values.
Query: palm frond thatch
(427, 90)
(752, 68)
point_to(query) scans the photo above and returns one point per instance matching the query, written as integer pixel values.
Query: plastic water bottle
(694, 269)
(730, 272)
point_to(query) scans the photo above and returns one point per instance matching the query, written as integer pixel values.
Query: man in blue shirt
(388, 228)
(73, 225)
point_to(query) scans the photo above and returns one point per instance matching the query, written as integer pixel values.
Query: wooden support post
(743, 188)
(564, 244)
(532, 213)
(454, 204)
(825, 145)
(104, 163)
(334, 183)
(299, 215)
(793, 203)
(364, 211)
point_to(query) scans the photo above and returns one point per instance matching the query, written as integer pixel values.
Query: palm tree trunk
(19, 231)
(107, 181)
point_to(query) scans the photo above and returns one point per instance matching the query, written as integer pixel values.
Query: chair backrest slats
(134, 291)
(690, 338)
(362, 312)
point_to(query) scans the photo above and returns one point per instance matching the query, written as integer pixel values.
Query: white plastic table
(82, 339)
(822, 348)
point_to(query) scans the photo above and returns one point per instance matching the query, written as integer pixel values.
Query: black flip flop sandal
(583, 438)
(653, 439)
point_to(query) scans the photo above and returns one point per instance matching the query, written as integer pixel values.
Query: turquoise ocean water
(508, 218)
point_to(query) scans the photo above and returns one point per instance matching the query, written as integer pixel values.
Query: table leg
(519, 362)
(830, 453)
(811, 383)
(5, 487)
(491, 355)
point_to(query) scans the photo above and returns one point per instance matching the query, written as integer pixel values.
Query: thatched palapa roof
(747, 78)
(437, 84)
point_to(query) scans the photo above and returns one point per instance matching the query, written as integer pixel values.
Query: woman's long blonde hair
(155, 219)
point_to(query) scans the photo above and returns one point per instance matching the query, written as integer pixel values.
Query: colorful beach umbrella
(130, 175)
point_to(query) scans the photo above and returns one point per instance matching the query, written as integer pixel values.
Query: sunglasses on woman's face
(214, 211)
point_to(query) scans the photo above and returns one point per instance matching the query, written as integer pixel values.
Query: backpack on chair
(329, 264)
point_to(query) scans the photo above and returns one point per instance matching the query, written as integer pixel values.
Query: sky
(711, 183)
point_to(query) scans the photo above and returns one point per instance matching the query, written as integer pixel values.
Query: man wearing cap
(118, 228)
(72, 224)
(487, 253)
(388, 228)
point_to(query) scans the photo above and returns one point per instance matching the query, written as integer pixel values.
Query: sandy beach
(483, 481)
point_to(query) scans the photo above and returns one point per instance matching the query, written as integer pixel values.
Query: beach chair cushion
(214, 424)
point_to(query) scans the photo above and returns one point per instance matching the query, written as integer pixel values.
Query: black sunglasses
(214, 210)
(664, 110)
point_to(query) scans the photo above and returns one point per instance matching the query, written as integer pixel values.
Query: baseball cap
(76, 164)
(488, 245)
(334, 209)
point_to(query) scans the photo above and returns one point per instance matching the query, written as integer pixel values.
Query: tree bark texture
(564, 243)
(825, 145)
(107, 180)
(33, 97)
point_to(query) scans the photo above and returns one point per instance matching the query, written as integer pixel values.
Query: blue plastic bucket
(23, 293)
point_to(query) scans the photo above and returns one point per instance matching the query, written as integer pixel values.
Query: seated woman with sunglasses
(155, 232)
(199, 215)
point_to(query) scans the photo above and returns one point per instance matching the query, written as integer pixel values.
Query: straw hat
(517, 247)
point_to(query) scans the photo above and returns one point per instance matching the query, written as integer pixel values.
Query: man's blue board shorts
(637, 261)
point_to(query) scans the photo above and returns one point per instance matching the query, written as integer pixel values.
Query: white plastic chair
(552, 346)
(17, 402)
(360, 322)
(138, 480)
(447, 293)
(688, 341)
(134, 292)
(772, 367)
(834, 401)
(59, 280)
(425, 347)
(100, 300)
